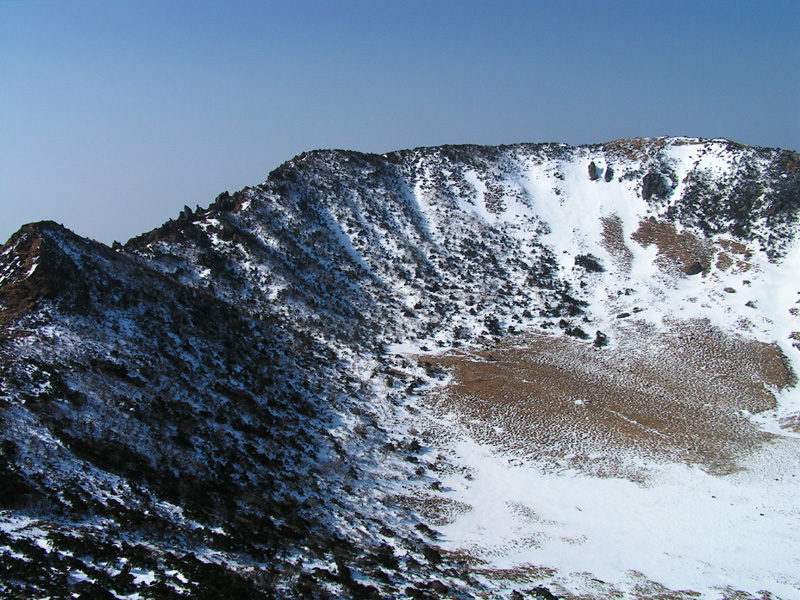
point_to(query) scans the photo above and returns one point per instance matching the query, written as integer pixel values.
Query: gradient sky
(113, 115)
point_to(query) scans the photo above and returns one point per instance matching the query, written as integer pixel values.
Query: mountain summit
(533, 370)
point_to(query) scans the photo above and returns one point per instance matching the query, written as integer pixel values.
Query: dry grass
(614, 242)
(437, 510)
(679, 251)
(676, 251)
(634, 148)
(681, 395)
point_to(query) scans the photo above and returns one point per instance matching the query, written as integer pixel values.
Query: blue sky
(113, 115)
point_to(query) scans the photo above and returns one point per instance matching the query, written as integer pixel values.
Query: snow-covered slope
(260, 385)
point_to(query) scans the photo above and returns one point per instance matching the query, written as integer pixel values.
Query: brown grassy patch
(437, 510)
(679, 251)
(518, 574)
(614, 242)
(680, 395)
(733, 252)
(465, 558)
(634, 148)
(724, 261)
(676, 251)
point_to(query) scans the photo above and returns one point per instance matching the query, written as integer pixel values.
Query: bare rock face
(654, 186)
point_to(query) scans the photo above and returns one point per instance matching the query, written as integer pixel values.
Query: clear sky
(113, 115)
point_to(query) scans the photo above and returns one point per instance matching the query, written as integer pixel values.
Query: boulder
(594, 174)
(438, 587)
(695, 269)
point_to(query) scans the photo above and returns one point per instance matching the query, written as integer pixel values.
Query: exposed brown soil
(677, 396)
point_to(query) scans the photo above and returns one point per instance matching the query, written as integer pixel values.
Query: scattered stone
(594, 175)
(609, 174)
(730, 290)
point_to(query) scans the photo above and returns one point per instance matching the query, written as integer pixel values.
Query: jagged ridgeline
(218, 408)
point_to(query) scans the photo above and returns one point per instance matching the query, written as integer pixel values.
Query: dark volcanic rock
(542, 593)
(695, 269)
(589, 262)
(654, 185)
(594, 174)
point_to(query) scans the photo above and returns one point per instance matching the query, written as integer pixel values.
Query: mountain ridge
(268, 342)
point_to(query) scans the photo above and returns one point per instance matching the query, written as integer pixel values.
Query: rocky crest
(213, 409)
